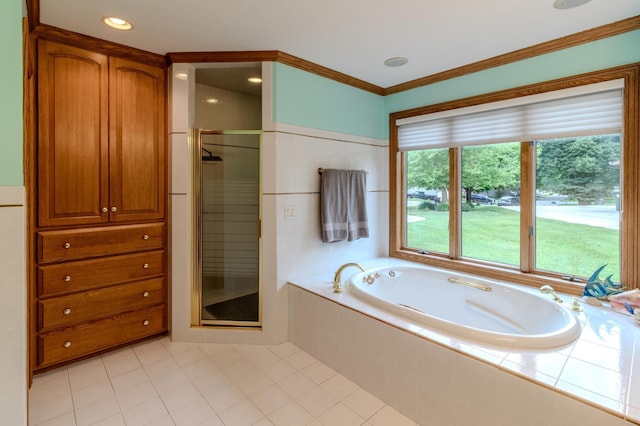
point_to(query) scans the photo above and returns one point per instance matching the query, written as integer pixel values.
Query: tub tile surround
(161, 382)
(590, 380)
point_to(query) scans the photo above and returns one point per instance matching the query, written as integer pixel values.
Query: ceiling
(353, 37)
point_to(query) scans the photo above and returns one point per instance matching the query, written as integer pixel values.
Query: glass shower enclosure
(227, 213)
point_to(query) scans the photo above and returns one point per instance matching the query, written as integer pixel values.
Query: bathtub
(467, 306)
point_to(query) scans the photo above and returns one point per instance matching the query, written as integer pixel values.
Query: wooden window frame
(525, 273)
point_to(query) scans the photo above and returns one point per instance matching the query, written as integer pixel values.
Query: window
(527, 188)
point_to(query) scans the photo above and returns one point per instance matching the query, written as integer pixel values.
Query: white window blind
(582, 111)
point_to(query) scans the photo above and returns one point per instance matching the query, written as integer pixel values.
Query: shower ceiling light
(255, 80)
(569, 4)
(396, 62)
(117, 23)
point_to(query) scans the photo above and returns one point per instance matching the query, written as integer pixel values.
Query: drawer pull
(145, 323)
(67, 245)
(145, 294)
(67, 278)
(67, 344)
(145, 237)
(145, 266)
(114, 209)
(104, 210)
(66, 311)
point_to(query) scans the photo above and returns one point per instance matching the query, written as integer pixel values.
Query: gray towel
(343, 210)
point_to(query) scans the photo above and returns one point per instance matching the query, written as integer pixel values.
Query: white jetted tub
(468, 306)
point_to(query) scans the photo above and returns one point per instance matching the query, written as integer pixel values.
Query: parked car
(509, 201)
(424, 196)
(479, 198)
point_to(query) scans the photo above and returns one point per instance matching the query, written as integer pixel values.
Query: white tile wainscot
(435, 378)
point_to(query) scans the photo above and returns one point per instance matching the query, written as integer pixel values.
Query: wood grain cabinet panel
(73, 163)
(136, 114)
(101, 138)
(73, 342)
(69, 310)
(71, 244)
(72, 277)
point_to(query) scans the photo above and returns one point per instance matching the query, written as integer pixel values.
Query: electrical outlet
(289, 213)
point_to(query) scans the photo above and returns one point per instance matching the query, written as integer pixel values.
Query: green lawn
(492, 233)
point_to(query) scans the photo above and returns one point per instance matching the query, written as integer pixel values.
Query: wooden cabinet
(99, 227)
(100, 132)
(89, 301)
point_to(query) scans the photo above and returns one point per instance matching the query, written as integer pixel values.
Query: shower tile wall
(291, 246)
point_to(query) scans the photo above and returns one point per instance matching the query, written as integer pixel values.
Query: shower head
(210, 156)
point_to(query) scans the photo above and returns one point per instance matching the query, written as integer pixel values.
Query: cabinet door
(137, 147)
(72, 135)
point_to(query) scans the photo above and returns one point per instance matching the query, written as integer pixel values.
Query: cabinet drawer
(58, 246)
(74, 342)
(96, 304)
(70, 277)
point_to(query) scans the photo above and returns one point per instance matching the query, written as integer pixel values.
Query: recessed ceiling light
(117, 23)
(213, 101)
(396, 62)
(255, 80)
(182, 76)
(569, 4)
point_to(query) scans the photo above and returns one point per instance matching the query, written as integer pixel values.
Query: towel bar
(320, 170)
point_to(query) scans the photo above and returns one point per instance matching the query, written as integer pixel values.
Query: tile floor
(161, 382)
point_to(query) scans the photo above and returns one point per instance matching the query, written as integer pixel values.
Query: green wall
(308, 100)
(597, 55)
(11, 93)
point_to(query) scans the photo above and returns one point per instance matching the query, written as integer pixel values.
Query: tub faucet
(337, 285)
(547, 289)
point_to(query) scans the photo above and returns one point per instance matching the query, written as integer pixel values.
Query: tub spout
(547, 289)
(337, 285)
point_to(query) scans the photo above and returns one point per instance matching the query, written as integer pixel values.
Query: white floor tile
(339, 386)
(115, 420)
(117, 366)
(130, 397)
(270, 399)
(97, 411)
(284, 349)
(296, 385)
(241, 414)
(145, 413)
(318, 372)
(388, 416)
(166, 383)
(193, 413)
(130, 379)
(291, 414)
(300, 360)
(180, 396)
(225, 398)
(317, 401)
(66, 419)
(341, 415)
(279, 371)
(161, 383)
(161, 367)
(91, 394)
(363, 403)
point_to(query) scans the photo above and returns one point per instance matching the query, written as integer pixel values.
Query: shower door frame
(195, 146)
